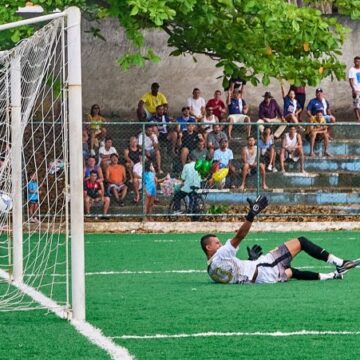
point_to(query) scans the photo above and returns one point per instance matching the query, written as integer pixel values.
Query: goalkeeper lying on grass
(275, 266)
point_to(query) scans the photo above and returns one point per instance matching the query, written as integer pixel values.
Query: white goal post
(48, 90)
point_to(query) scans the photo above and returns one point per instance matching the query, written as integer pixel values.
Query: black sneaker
(339, 276)
(347, 265)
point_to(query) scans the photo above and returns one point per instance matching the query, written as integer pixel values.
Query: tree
(252, 39)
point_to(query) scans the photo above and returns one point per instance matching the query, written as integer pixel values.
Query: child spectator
(97, 130)
(248, 155)
(150, 184)
(116, 178)
(33, 197)
(318, 132)
(292, 148)
(94, 193)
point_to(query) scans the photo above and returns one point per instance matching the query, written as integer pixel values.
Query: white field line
(92, 333)
(190, 271)
(234, 334)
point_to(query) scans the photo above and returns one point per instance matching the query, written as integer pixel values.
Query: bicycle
(191, 204)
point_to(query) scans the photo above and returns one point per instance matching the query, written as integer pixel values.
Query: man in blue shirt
(184, 119)
(320, 103)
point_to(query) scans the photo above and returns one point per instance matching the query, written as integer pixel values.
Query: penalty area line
(235, 334)
(93, 334)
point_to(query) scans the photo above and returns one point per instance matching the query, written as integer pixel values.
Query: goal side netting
(35, 169)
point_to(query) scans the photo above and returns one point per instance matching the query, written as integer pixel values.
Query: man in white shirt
(225, 156)
(191, 179)
(151, 145)
(196, 104)
(105, 153)
(275, 266)
(354, 80)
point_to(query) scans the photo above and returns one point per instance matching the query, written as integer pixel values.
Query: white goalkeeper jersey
(225, 267)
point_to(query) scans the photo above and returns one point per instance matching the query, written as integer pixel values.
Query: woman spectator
(292, 107)
(267, 149)
(132, 156)
(97, 130)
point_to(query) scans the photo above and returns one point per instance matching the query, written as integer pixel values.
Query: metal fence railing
(298, 179)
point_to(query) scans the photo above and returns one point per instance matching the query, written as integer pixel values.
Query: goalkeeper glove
(255, 252)
(257, 206)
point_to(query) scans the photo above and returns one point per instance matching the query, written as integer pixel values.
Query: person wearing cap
(318, 132)
(116, 178)
(320, 103)
(196, 104)
(238, 109)
(354, 80)
(105, 152)
(270, 112)
(149, 101)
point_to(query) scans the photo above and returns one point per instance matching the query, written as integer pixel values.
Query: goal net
(35, 171)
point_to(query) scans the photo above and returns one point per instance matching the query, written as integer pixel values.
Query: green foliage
(255, 40)
(218, 209)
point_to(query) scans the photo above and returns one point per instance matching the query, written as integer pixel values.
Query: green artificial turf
(134, 287)
(187, 303)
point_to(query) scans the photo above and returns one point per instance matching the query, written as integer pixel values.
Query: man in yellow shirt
(149, 101)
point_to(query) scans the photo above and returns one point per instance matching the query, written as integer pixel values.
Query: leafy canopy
(252, 39)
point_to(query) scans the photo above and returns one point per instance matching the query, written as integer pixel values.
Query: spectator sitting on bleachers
(200, 152)
(116, 178)
(91, 166)
(225, 157)
(248, 155)
(132, 156)
(196, 104)
(184, 119)
(209, 119)
(218, 106)
(269, 112)
(188, 142)
(320, 103)
(292, 107)
(105, 152)
(214, 138)
(151, 145)
(267, 149)
(238, 109)
(97, 130)
(149, 101)
(292, 148)
(94, 193)
(318, 132)
(164, 132)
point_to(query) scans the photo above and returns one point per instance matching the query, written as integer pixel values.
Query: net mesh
(44, 174)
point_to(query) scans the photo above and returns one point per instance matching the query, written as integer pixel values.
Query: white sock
(327, 276)
(334, 260)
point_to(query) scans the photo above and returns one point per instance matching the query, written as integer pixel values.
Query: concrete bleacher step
(334, 163)
(297, 179)
(348, 131)
(288, 198)
(336, 147)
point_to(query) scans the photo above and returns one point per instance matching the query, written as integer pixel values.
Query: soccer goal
(42, 237)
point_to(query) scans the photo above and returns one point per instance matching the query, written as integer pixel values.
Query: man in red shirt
(94, 193)
(218, 106)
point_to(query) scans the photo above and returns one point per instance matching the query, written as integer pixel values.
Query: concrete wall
(118, 92)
